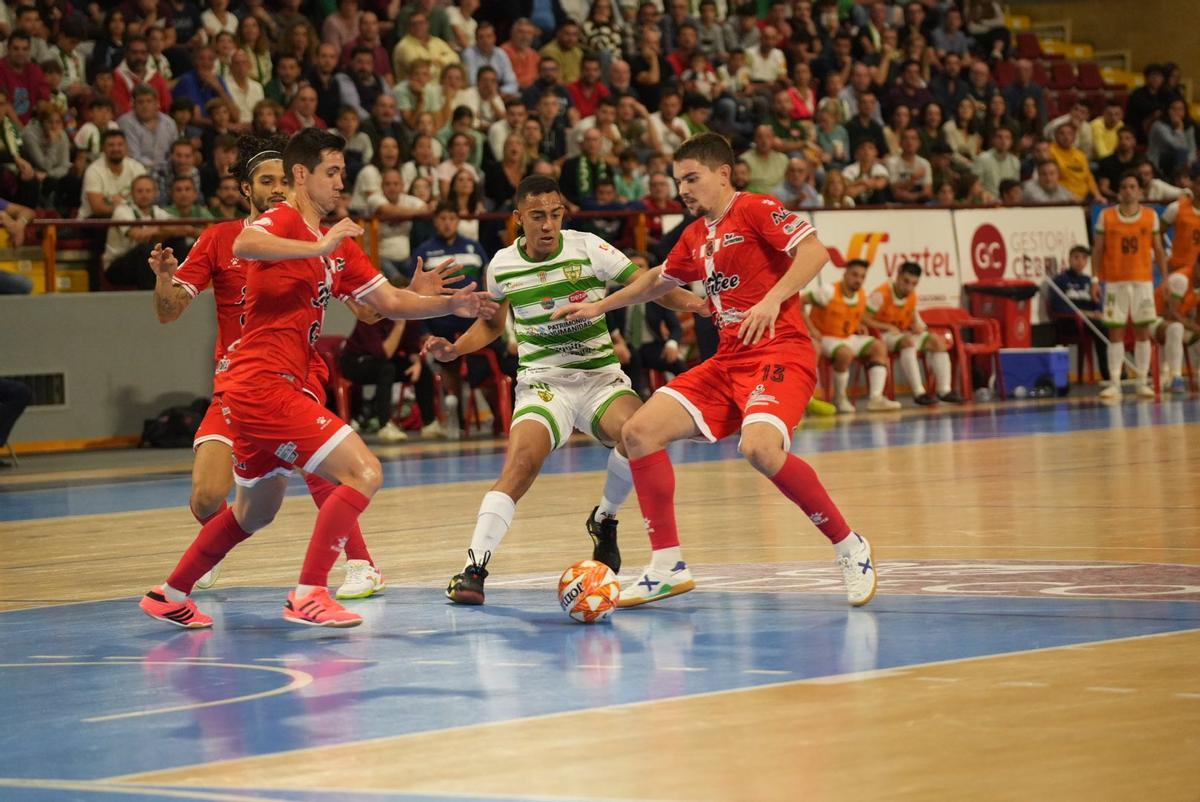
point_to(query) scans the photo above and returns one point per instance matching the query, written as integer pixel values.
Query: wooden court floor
(1036, 634)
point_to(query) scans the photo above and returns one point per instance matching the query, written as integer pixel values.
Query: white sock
(876, 378)
(840, 382)
(304, 590)
(908, 361)
(618, 484)
(846, 545)
(1173, 350)
(495, 517)
(941, 371)
(1116, 358)
(1141, 360)
(172, 594)
(666, 559)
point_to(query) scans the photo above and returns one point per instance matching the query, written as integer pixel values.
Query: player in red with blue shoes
(754, 257)
(297, 269)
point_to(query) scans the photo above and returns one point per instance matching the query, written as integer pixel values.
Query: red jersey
(740, 257)
(211, 261)
(285, 304)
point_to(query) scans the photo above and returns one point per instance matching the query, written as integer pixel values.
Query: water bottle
(1020, 392)
(450, 404)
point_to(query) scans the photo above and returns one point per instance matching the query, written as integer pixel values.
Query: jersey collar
(528, 258)
(728, 206)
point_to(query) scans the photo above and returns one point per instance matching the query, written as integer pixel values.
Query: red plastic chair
(1089, 76)
(1041, 73)
(330, 347)
(1006, 74)
(985, 343)
(1028, 46)
(502, 419)
(1077, 335)
(1062, 76)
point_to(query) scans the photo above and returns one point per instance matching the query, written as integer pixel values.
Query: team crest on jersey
(543, 391)
(287, 452)
(323, 296)
(547, 303)
(222, 364)
(314, 332)
(337, 264)
(573, 272)
(760, 397)
(542, 276)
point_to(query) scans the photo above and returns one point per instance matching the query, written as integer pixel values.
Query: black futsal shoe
(951, 398)
(604, 541)
(467, 587)
(925, 400)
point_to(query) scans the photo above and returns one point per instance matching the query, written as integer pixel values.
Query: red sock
(798, 481)
(356, 547)
(338, 514)
(215, 540)
(203, 521)
(654, 479)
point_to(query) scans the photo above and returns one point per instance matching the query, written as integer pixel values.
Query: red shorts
(767, 385)
(215, 427)
(277, 428)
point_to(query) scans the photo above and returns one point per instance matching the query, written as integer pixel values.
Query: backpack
(174, 427)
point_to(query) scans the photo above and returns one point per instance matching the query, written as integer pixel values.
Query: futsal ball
(588, 591)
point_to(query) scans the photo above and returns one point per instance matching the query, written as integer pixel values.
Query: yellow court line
(851, 677)
(299, 679)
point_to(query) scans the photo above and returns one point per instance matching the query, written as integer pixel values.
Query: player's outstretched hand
(583, 311)
(464, 302)
(759, 321)
(163, 262)
(342, 229)
(442, 349)
(436, 281)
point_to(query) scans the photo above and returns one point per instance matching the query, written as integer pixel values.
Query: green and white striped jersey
(577, 272)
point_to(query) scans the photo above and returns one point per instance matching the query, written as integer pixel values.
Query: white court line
(289, 659)
(516, 665)
(938, 679)
(601, 666)
(684, 669)
(769, 672)
(1016, 683)
(435, 662)
(1187, 695)
(53, 656)
(1103, 689)
(201, 658)
(422, 632)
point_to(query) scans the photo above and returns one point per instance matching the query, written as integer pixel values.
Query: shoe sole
(327, 624)
(683, 587)
(189, 625)
(466, 597)
(216, 574)
(366, 595)
(874, 581)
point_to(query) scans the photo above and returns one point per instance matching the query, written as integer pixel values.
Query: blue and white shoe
(858, 572)
(657, 584)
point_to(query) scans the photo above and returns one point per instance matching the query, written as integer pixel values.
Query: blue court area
(143, 697)
(483, 461)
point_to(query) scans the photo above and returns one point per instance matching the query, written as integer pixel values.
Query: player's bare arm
(650, 286)
(1098, 256)
(254, 243)
(1160, 255)
(362, 312)
(678, 299)
(169, 299)
(871, 322)
(809, 258)
(400, 304)
(481, 334)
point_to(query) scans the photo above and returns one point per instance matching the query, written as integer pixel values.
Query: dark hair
(111, 133)
(473, 201)
(178, 104)
(1007, 185)
(1153, 69)
(358, 51)
(590, 57)
(485, 67)
(1079, 249)
(250, 146)
(695, 100)
(445, 206)
(377, 159)
(711, 150)
(535, 185)
(863, 263)
(911, 268)
(179, 178)
(609, 100)
(308, 148)
(461, 113)
(106, 103)
(1131, 173)
(179, 142)
(19, 34)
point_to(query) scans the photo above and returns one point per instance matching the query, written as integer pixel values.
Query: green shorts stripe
(547, 415)
(596, 418)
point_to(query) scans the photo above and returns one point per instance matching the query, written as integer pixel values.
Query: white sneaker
(362, 580)
(1112, 391)
(655, 585)
(858, 572)
(844, 406)
(1144, 390)
(391, 433)
(208, 580)
(433, 430)
(882, 404)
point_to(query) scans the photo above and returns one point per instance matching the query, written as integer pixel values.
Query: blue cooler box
(1025, 367)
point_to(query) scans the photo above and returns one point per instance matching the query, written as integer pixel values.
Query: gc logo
(988, 254)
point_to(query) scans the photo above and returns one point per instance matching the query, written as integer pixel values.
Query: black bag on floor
(174, 427)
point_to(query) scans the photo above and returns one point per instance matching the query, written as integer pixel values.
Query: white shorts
(563, 403)
(1124, 300)
(892, 339)
(857, 343)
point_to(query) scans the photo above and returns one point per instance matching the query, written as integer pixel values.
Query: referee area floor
(1036, 632)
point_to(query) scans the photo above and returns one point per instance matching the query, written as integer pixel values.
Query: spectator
(740, 178)
(303, 113)
(128, 247)
(741, 28)
(244, 91)
(185, 205)
(950, 86)
(601, 32)
(930, 132)
(710, 32)
(962, 135)
(864, 127)
(218, 18)
(565, 50)
(21, 79)
(379, 354)
(901, 122)
(910, 91)
(420, 44)
(650, 69)
(267, 114)
(341, 27)
(202, 84)
(465, 194)
(1172, 139)
(359, 150)
(148, 132)
(548, 83)
(65, 51)
(766, 62)
(620, 78)
(501, 177)
(134, 71)
(1105, 129)
(581, 173)
(949, 38)
(867, 178)
(1076, 174)
(696, 111)
(370, 178)
(395, 211)
(220, 123)
(796, 191)
(587, 92)
(439, 20)
(910, 176)
(107, 182)
(861, 83)
(181, 164)
(521, 54)
(457, 159)
(218, 165)
(109, 46)
(1154, 188)
(987, 25)
(89, 135)
(14, 397)
(998, 164)
(454, 93)
(832, 139)
(485, 53)
(424, 163)
(228, 203)
(767, 165)
(605, 121)
(686, 49)
(659, 201)
(1112, 167)
(369, 37)
(322, 77)
(1030, 123)
(515, 114)
(1146, 103)
(1078, 115)
(182, 110)
(46, 145)
(554, 128)
(980, 88)
(1025, 87)
(971, 192)
(1011, 192)
(254, 44)
(463, 122)
(1045, 188)
(997, 117)
(484, 99)
(1084, 292)
(1040, 152)
(418, 94)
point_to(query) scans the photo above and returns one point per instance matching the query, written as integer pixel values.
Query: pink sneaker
(182, 614)
(318, 609)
